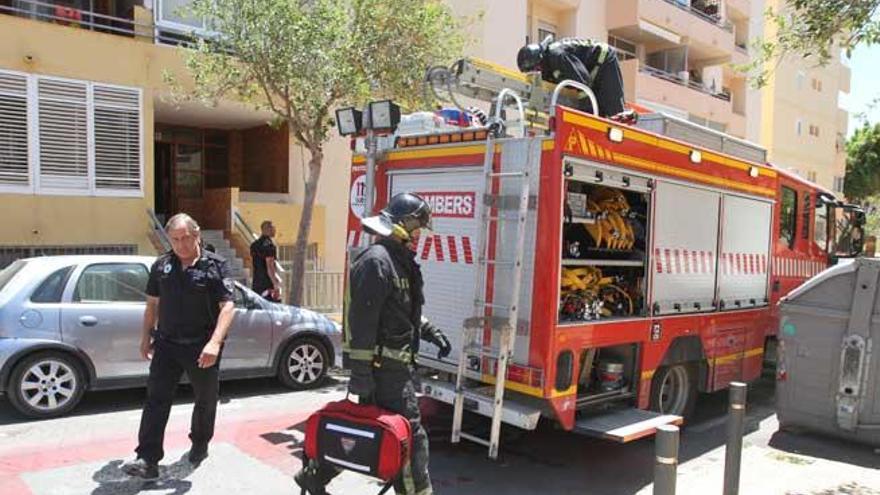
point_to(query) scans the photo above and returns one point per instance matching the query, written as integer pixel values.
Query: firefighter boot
(307, 479)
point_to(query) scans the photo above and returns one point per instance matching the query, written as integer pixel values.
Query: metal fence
(673, 78)
(322, 290)
(708, 13)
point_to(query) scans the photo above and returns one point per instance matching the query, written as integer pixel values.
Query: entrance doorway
(187, 162)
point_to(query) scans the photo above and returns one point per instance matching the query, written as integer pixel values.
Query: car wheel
(304, 364)
(674, 390)
(46, 385)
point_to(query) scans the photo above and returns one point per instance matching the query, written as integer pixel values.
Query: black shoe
(142, 469)
(308, 481)
(197, 454)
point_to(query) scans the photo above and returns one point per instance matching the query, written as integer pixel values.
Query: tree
(863, 163)
(812, 29)
(300, 59)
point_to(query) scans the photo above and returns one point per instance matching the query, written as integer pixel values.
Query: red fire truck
(648, 265)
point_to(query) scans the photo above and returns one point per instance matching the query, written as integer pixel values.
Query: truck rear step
(480, 401)
(624, 425)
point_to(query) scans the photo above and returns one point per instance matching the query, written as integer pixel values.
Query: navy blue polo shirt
(189, 297)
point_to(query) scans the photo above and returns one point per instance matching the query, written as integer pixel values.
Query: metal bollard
(733, 453)
(665, 460)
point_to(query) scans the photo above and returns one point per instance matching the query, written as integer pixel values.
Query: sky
(864, 86)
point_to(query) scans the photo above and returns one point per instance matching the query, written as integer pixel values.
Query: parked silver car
(73, 323)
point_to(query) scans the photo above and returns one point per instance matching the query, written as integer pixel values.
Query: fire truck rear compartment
(604, 245)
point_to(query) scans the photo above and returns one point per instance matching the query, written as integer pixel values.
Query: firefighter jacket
(574, 58)
(383, 314)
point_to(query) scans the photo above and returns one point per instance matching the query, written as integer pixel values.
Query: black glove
(434, 335)
(361, 382)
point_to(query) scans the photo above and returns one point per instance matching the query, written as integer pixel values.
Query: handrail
(574, 84)
(159, 229)
(673, 78)
(86, 18)
(519, 106)
(727, 26)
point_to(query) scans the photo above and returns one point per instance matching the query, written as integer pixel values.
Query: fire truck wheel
(674, 390)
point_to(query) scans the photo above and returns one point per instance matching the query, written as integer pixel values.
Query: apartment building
(802, 124)
(677, 55)
(95, 152)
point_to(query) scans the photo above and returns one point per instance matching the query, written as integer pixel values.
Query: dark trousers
(395, 391)
(608, 88)
(169, 362)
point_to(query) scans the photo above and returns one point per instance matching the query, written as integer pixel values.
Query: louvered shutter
(13, 130)
(63, 117)
(117, 138)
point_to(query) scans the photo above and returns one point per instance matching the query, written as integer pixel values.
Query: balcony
(646, 83)
(112, 18)
(128, 18)
(660, 24)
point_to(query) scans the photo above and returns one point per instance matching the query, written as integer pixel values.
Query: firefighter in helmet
(382, 331)
(582, 60)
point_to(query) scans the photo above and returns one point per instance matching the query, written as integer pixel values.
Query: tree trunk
(297, 275)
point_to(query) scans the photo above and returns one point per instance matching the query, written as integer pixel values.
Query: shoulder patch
(167, 268)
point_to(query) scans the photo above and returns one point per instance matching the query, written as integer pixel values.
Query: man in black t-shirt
(263, 255)
(190, 296)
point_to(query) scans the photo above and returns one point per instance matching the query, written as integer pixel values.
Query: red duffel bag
(362, 438)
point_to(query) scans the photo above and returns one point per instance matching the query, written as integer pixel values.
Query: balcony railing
(69, 16)
(706, 15)
(675, 79)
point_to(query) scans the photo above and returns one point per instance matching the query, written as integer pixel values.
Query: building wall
(794, 96)
(54, 50)
(47, 49)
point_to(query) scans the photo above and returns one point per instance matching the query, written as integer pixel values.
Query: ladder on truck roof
(485, 81)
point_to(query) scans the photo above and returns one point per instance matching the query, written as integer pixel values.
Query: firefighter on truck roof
(589, 62)
(383, 328)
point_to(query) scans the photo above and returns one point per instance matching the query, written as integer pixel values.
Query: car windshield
(9, 272)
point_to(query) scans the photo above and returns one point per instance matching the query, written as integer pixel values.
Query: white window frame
(161, 22)
(33, 139)
(799, 127)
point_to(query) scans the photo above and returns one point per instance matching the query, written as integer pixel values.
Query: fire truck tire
(674, 389)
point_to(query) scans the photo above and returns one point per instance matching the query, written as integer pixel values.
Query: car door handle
(88, 321)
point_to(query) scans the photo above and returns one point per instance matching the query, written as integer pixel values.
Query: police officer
(383, 328)
(192, 293)
(585, 61)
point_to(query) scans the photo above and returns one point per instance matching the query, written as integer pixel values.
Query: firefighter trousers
(395, 392)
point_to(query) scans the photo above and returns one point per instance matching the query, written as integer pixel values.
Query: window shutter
(63, 117)
(117, 138)
(13, 130)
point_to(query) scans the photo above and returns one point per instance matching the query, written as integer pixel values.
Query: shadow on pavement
(570, 463)
(107, 401)
(112, 481)
(802, 442)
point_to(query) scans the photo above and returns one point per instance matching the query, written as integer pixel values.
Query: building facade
(95, 150)
(803, 125)
(677, 56)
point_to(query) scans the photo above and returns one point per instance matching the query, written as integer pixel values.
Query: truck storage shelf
(580, 262)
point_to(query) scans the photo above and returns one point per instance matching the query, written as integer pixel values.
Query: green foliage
(812, 29)
(863, 163)
(301, 58)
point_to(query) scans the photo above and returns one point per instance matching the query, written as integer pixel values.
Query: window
(838, 183)
(799, 127)
(84, 138)
(14, 171)
(545, 29)
(112, 282)
(51, 289)
(626, 50)
(799, 80)
(811, 176)
(814, 130)
(9, 272)
(788, 217)
(805, 213)
(820, 227)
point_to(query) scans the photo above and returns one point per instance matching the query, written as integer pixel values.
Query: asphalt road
(259, 438)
